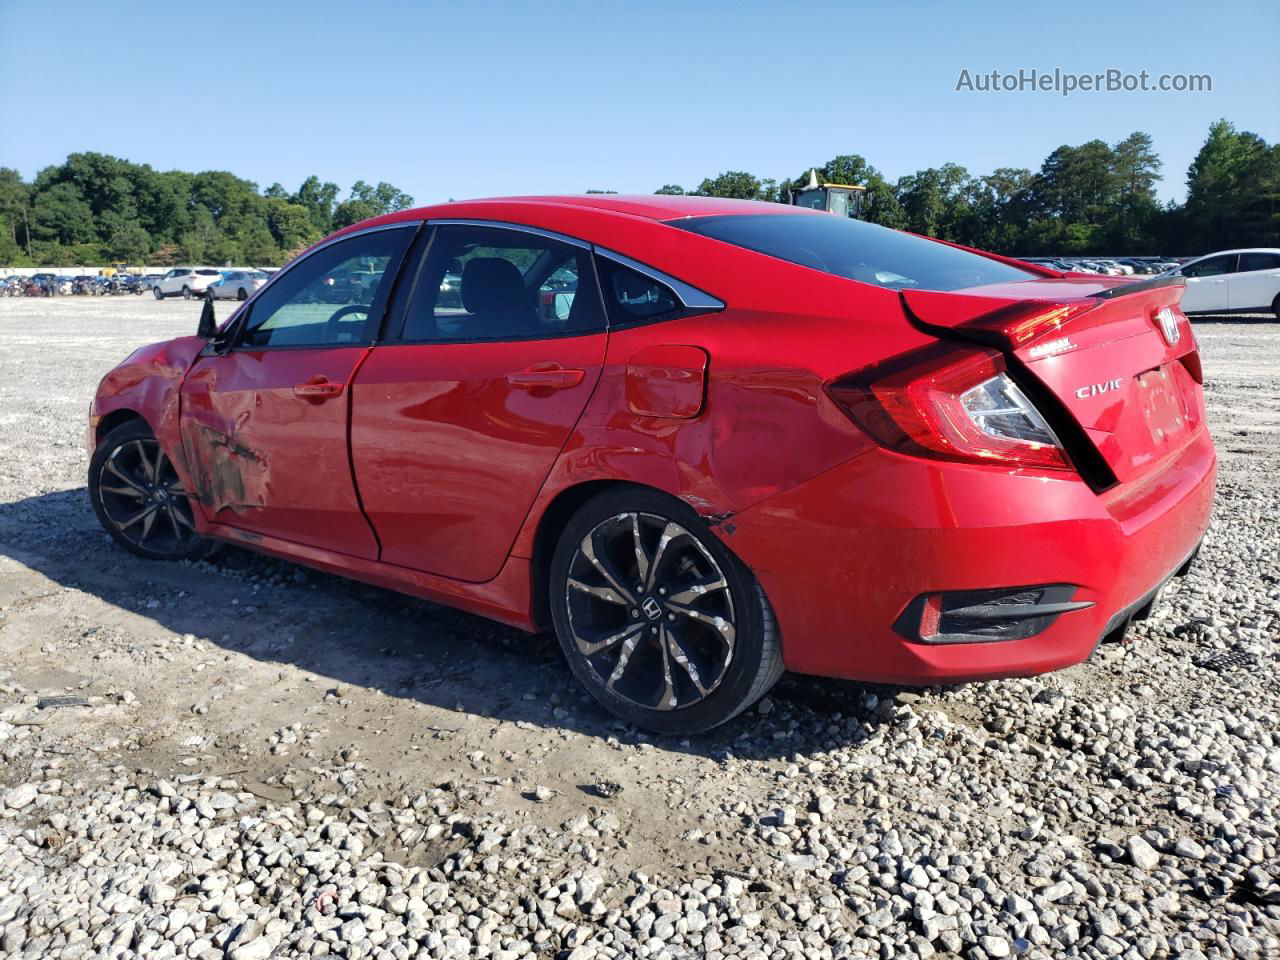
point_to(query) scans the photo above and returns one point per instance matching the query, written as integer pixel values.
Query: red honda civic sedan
(705, 440)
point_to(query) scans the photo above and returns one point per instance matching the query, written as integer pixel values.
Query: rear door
(264, 425)
(1208, 284)
(1256, 282)
(458, 418)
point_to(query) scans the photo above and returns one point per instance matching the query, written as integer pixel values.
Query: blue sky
(486, 98)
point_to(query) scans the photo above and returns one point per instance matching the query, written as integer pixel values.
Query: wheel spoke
(121, 475)
(682, 657)
(589, 648)
(607, 594)
(667, 699)
(147, 522)
(159, 464)
(147, 467)
(624, 657)
(670, 532)
(602, 564)
(124, 492)
(717, 623)
(642, 557)
(180, 518)
(693, 591)
(142, 514)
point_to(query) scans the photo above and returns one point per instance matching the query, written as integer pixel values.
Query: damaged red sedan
(704, 440)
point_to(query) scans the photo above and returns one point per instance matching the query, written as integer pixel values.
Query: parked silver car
(236, 285)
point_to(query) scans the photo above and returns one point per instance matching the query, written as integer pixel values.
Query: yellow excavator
(842, 199)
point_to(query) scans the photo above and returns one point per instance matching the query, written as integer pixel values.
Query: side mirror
(208, 326)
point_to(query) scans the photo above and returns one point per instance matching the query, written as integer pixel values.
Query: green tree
(15, 208)
(319, 200)
(61, 215)
(732, 183)
(670, 189)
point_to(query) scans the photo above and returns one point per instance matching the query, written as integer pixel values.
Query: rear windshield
(857, 250)
(209, 273)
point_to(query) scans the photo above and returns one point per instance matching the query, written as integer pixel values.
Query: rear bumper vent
(986, 616)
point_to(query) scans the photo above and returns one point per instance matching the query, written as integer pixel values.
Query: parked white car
(1233, 281)
(186, 282)
(236, 285)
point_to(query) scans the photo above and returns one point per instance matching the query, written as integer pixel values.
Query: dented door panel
(268, 454)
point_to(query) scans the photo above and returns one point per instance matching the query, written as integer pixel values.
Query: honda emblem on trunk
(1168, 325)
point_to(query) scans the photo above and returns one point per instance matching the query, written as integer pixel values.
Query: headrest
(491, 283)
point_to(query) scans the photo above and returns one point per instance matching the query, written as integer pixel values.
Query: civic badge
(1168, 325)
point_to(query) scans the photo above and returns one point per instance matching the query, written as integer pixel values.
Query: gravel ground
(262, 761)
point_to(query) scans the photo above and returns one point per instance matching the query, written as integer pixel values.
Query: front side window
(1213, 267)
(489, 283)
(334, 296)
(857, 250)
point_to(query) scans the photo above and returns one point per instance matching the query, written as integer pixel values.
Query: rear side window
(857, 250)
(634, 298)
(1258, 261)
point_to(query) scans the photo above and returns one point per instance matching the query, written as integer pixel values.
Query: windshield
(857, 250)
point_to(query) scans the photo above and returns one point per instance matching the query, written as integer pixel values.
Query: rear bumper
(842, 556)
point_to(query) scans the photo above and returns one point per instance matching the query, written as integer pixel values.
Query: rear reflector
(950, 403)
(985, 616)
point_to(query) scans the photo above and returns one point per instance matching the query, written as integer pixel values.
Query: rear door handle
(318, 387)
(545, 377)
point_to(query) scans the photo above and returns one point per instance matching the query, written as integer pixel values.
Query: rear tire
(662, 624)
(186, 293)
(242, 294)
(1275, 307)
(139, 499)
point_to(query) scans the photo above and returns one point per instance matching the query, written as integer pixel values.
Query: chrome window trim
(517, 227)
(690, 296)
(230, 324)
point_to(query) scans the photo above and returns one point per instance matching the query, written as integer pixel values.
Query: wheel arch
(115, 419)
(547, 533)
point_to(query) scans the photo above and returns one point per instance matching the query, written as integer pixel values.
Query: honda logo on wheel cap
(652, 609)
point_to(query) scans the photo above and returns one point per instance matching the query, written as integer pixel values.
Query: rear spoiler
(1141, 286)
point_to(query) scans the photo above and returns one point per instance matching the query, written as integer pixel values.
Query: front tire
(156, 291)
(138, 497)
(1275, 307)
(242, 294)
(662, 624)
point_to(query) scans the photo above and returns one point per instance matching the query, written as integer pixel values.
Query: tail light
(950, 404)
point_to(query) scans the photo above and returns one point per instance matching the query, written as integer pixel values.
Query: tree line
(1094, 198)
(94, 209)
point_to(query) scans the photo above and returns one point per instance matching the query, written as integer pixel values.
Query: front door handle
(318, 387)
(545, 377)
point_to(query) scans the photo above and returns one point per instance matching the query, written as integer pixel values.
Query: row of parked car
(187, 282)
(1113, 267)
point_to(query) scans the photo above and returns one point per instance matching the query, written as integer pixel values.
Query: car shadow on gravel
(359, 636)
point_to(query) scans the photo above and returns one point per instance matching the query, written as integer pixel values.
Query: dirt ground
(304, 688)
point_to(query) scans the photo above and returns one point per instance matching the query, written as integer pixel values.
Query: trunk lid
(1112, 362)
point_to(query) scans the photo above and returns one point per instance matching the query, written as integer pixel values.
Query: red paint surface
(459, 449)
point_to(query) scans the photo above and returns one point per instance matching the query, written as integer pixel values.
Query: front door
(458, 418)
(264, 425)
(1207, 285)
